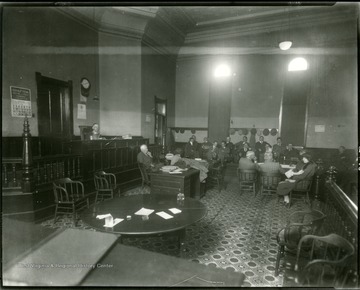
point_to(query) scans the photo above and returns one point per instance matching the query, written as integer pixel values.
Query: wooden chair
(329, 263)
(269, 183)
(105, 185)
(299, 224)
(69, 197)
(302, 186)
(247, 179)
(216, 173)
(144, 175)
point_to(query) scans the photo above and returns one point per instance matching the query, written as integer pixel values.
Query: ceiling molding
(265, 26)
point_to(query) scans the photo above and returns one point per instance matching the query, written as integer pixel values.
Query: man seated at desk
(291, 154)
(95, 134)
(248, 163)
(144, 157)
(270, 166)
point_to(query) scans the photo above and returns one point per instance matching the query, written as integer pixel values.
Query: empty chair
(247, 179)
(326, 261)
(299, 224)
(105, 185)
(301, 187)
(216, 173)
(69, 197)
(144, 175)
(269, 183)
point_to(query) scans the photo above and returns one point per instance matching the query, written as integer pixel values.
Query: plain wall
(43, 40)
(120, 85)
(158, 79)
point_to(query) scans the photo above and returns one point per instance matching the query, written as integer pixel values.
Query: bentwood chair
(144, 175)
(105, 185)
(330, 262)
(269, 183)
(216, 174)
(299, 224)
(69, 197)
(301, 188)
(247, 180)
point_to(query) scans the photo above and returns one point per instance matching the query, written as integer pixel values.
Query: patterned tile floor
(238, 234)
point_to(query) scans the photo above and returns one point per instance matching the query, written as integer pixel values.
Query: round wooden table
(191, 211)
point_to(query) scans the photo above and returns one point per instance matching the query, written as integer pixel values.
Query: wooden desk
(165, 183)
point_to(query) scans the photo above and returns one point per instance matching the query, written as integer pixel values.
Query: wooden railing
(342, 219)
(11, 176)
(47, 169)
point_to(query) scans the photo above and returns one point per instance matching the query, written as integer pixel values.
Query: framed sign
(20, 102)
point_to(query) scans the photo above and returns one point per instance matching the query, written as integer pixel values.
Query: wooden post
(27, 184)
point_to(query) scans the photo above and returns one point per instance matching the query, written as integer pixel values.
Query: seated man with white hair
(270, 166)
(248, 163)
(144, 157)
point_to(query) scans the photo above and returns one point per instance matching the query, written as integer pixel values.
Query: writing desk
(166, 183)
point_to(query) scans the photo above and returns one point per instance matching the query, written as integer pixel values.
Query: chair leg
(55, 214)
(74, 215)
(280, 249)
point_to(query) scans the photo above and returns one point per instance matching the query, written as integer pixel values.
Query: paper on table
(144, 211)
(103, 216)
(289, 173)
(116, 221)
(175, 210)
(164, 215)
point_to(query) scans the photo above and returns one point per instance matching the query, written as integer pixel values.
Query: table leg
(181, 240)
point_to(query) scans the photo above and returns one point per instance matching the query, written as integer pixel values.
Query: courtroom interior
(198, 145)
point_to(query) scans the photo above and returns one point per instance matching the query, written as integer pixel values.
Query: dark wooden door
(219, 109)
(294, 108)
(54, 107)
(160, 121)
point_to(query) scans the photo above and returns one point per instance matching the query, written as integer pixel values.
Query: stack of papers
(109, 220)
(175, 210)
(164, 215)
(115, 222)
(144, 211)
(289, 173)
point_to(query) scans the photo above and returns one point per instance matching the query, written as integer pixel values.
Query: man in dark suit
(144, 157)
(260, 149)
(191, 148)
(291, 154)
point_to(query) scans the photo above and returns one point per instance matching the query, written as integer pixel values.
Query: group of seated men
(304, 170)
(228, 151)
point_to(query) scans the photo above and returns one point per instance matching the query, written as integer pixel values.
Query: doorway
(54, 102)
(160, 121)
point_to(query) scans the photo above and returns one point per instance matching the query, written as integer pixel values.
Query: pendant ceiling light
(286, 44)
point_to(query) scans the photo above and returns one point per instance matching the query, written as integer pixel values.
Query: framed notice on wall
(20, 102)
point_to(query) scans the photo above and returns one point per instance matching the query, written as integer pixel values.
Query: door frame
(43, 80)
(163, 137)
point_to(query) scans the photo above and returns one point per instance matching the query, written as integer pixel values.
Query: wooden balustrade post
(319, 172)
(28, 183)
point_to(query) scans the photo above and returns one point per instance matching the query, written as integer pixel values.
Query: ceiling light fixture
(285, 45)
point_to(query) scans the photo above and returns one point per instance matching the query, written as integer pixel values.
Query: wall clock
(85, 89)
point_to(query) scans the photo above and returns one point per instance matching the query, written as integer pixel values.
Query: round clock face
(85, 83)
